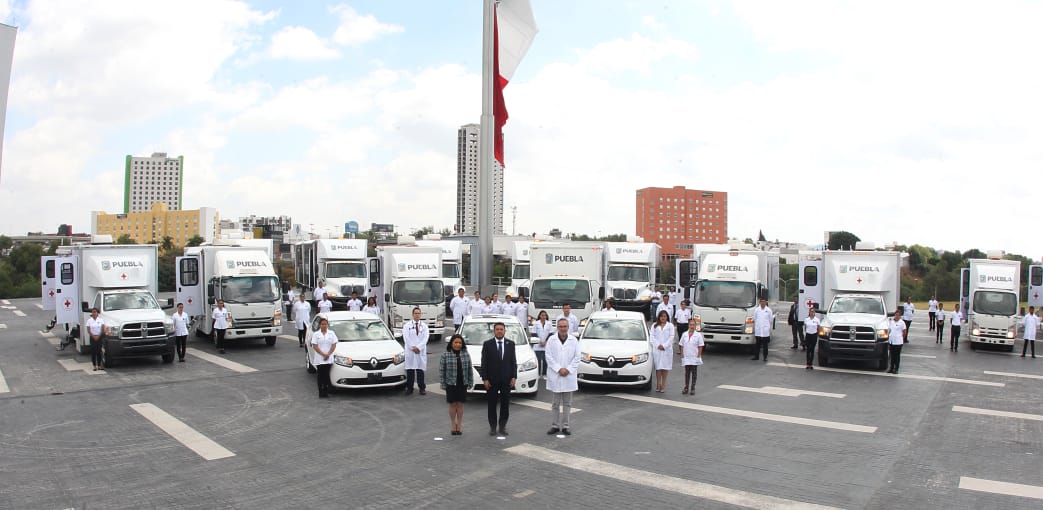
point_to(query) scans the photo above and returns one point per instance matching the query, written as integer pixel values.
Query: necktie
(417, 325)
(499, 347)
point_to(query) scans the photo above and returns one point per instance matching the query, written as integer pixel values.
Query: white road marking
(202, 445)
(51, 338)
(992, 412)
(3, 384)
(217, 360)
(525, 493)
(72, 365)
(1006, 488)
(6, 307)
(46, 334)
(288, 337)
(903, 376)
(658, 481)
(918, 356)
(782, 392)
(38, 305)
(516, 398)
(3, 326)
(849, 427)
(1014, 374)
(18, 313)
(5, 302)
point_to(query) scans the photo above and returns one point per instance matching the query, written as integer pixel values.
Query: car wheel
(311, 368)
(168, 358)
(270, 341)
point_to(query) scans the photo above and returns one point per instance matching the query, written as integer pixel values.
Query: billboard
(351, 227)
(386, 228)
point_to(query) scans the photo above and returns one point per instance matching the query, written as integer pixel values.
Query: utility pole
(514, 219)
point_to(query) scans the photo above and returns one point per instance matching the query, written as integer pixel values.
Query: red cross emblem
(123, 276)
(859, 280)
(1035, 295)
(67, 303)
(51, 293)
(189, 300)
(809, 303)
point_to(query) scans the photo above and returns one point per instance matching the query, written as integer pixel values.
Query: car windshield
(868, 305)
(555, 293)
(130, 301)
(476, 333)
(417, 292)
(615, 329)
(725, 294)
(450, 270)
(345, 270)
(521, 272)
(995, 303)
(627, 273)
(360, 331)
(250, 289)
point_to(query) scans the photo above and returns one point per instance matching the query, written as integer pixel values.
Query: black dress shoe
(503, 431)
(553, 430)
(181, 360)
(409, 392)
(567, 432)
(423, 392)
(492, 431)
(755, 358)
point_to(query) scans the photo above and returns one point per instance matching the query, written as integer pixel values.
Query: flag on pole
(514, 28)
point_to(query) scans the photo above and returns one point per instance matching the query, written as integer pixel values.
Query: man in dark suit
(795, 326)
(499, 371)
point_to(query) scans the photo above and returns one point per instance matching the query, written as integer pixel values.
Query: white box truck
(408, 277)
(452, 253)
(520, 253)
(341, 263)
(686, 273)
(241, 276)
(1035, 288)
(990, 292)
(856, 292)
(121, 282)
(630, 275)
(728, 289)
(567, 273)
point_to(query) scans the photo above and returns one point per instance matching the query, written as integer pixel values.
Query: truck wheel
(882, 363)
(1010, 348)
(200, 334)
(168, 358)
(823, 359)
(270, 341)
(106, 356)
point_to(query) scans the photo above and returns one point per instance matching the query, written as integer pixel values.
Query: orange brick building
(678, 218)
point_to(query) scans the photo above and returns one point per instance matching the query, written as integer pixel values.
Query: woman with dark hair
(661, 336)
(542, 329)
(454, 370)
(323, 342)
(96, 331)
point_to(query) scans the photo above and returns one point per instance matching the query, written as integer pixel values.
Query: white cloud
(635, 54)
(356, 29)
(300, 43)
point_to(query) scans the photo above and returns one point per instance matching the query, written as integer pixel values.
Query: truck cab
(451, 256)
(730, 286)
(404, 277)
(991, 292)
(569, 273)
(630, 275)
(341, 263)
(519, 253)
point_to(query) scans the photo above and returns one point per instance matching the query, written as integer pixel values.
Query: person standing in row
(895, 340)
(325, 305)
(454, 371)
(499, 373)
(939, 323)
(459, 306)
(566, 313)
(908, 309)
(795, 326)
(521, 311)
(542, 329)
(301, 318)
(181, 320)
(665, 306)
(488, 307)
(497, 305)
(415, 335)
(692, 344)
(562, 366)
(1031, 324)
(371, 306)
(932, 312)
(221, 318)
(291, 299)
(507, 308)
(608, 305)
(811, 324)
(661, 336)
(476, 305)
(320, 291)
(97, 329)
(955, 320)
(682, 317)
(354, 304)
(762, 317)
(323, 342)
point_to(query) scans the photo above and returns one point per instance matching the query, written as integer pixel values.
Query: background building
(678, 218)
(157, 223)
(467, 138)
(156, 178)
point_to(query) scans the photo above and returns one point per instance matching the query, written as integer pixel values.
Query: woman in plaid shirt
(454, 370)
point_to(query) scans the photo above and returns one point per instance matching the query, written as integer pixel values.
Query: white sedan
(366, 356)
(614, 350)
(478, 328)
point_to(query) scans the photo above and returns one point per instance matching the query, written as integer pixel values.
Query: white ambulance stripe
(903, 376)
(1001, 414)
(782, 392)
(219, 361)
(1005, 488)
(1014, 374)
(193, 440)
(18, 313)
(749, 414)
(3, 384)
(658, 481)
(516, 398)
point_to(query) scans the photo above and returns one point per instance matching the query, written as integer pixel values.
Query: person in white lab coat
(932, 311)
(291, 298)
(507, 308)
(566, 313)
(562, 366)
(354, 304)
(1031, 325)
(762, 318)
(323, 342)
(221, 318)
(301, 318)
(476, 305)
(371, 306)
(895, 340)
(542, 329)
(181, 320)
(319, 291)
(661, 336)
(496, 304)
(666, 306)
(489, 307)
(521, 311)
(325, 305)
(682, 316)
(459, 306)
(908, 309)
(415, 335)
(692, 344)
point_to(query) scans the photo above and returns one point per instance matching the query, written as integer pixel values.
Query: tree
(195, 240)
(125, 239)
(842, 240)
(921, 258)
(760, 237)
(5, 242)
(167, 244)
(25, 259)
(748, 240)
(422, 231)
(974, 253)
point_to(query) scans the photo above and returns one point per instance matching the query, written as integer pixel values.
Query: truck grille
(720, 327)
(624, 293)
(993, 332)
(252, 322)
(137, 330)
(346, 290)
(852, 333)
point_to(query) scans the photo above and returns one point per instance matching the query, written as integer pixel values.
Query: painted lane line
(782, 392)
(1005, 488)
(7, 307)
(537, 404)
(658, 481)
(3, 326)
(288, 337)
(38, 305)
(918, 356)
(193, 440)
(993, 412)
(46, 334)
(903, 376)
(72, 365)
(18, 313)
(5, 302)
(849, 427)
(1014, 374)
(525, 493)
(51, 338)
(4, 388)
(219, 361)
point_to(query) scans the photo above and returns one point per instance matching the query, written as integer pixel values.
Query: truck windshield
(130, 301)
(615, 329)
(991, 302)
(551, 293)
(450, 270)
(346, 270)
(725, 294)
(417, 292)
(857, 305)
(250, 289)
(477, 332)
(627, 273)
(521, 272)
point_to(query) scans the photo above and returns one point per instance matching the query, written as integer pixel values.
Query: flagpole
(485, 154)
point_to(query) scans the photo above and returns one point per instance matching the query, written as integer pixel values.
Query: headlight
(883, 333)
(584, 357)
(1011, 331)
(169, 326)
(399, 358)
(277, 320)
(528, 365)
(114, 331)
(823, 331)
(975, 330)
(343, 361)
(398, 322)
(583, 323)
(698, 322)
(331, 293)
(440, 323)
(749, 325)
(639, 358)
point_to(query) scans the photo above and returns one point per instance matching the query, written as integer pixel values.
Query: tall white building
(467, 183)
(152, 179)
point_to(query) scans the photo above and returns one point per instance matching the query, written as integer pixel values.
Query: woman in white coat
(415, 335)
(562, 354)
(301, 317)
(542, 329)
(661, 336)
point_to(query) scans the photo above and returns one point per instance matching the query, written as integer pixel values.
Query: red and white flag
(514, 28)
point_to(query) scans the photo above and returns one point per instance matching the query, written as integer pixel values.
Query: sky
(899, 121)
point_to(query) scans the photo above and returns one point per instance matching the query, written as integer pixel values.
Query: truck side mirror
(601, 293)
(210, 300)
(523, 291)
(387, 297)
(84, 307)
(210, 289)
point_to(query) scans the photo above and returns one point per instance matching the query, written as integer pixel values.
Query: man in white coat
(459, 306)
(668, 306)
(562, 355)
(762, 317)
(415, 335)
(566, 313)
(301, 317)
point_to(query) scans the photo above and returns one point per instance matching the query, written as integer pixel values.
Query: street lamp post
(785, 287)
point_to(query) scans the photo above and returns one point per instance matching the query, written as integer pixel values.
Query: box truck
(686, 273)
(519, 253)
(341, 263)
(630, 275)
(990, 294)
(729, 286)
(567, 273)
(452, 253)
(407, 277)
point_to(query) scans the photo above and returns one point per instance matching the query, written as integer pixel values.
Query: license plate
(610, 373)
(375, 376)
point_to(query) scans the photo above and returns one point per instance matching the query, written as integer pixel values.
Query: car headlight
(883, 333)
(528, 365)
(584, 357)
(698, 322)
(168, 326)
(638, 359)
(343, 361)
(114, 331)
(399, 358)
(823, 330)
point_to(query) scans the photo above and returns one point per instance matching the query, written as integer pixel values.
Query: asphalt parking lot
(246, 430)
